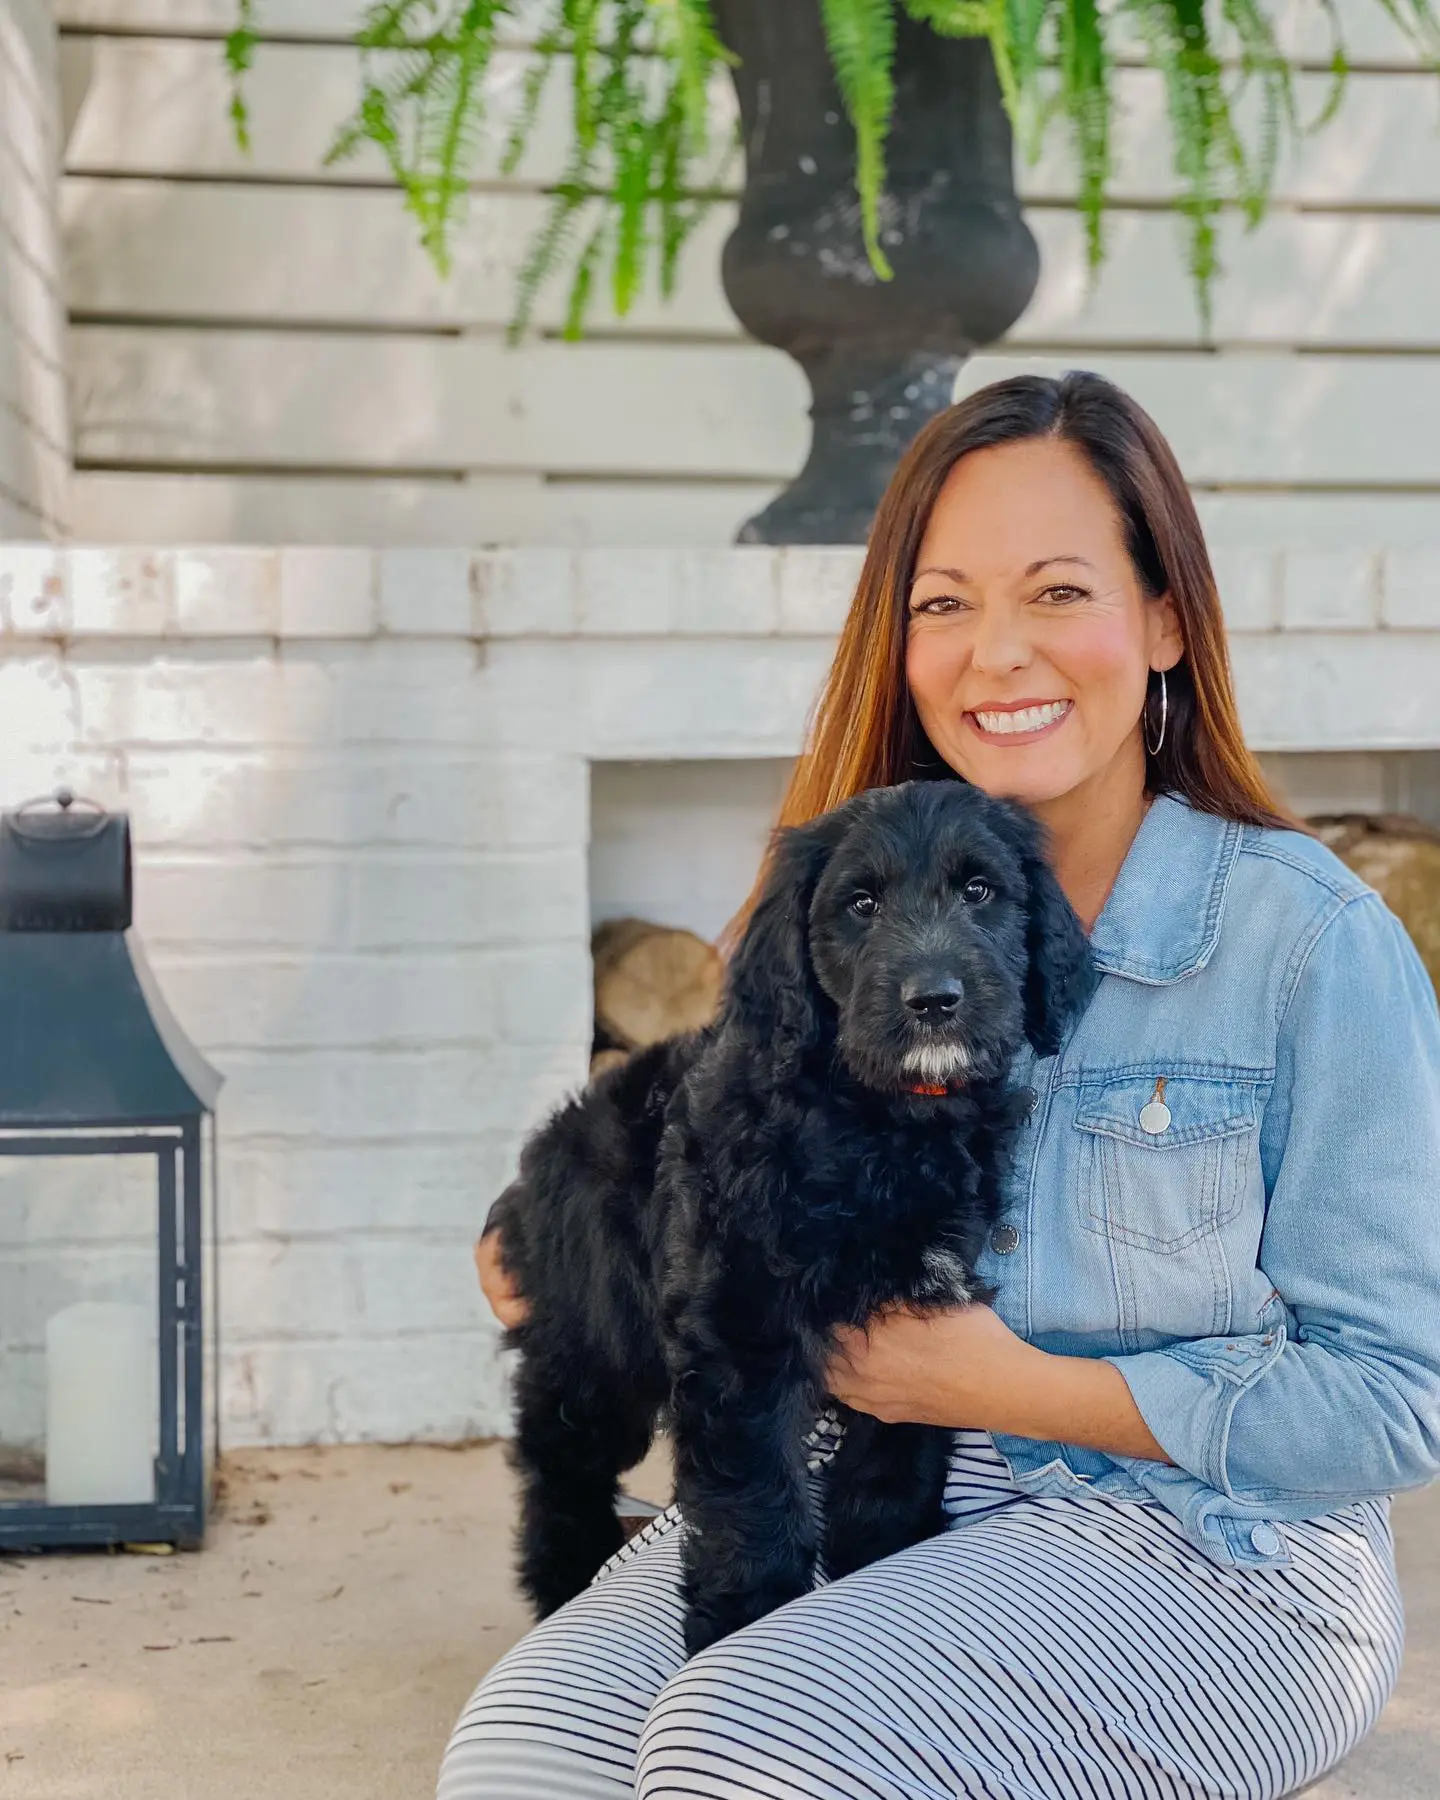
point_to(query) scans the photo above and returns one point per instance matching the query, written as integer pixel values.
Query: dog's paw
(946, 1279)
(702, 1629)
(709, 1620)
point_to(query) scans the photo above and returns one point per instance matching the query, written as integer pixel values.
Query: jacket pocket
(1165, 1160)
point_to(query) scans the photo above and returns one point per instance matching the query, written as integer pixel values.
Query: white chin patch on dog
(936, 1063)
(947, 1271)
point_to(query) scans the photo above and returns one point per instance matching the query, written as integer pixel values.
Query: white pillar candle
(101, 1405)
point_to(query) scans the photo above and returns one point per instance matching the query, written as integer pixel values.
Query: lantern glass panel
(92, 1414)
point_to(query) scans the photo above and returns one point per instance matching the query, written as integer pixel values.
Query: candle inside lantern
(100, 1405)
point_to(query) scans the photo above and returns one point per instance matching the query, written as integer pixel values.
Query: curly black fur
(690, 1231)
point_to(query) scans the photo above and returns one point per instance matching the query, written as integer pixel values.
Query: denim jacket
(1230, 1189)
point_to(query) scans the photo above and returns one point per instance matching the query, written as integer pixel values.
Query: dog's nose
(929, 998)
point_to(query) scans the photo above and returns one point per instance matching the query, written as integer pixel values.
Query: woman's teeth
(1029, 718)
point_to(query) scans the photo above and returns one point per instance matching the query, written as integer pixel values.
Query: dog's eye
(863, 904)
(975, 891)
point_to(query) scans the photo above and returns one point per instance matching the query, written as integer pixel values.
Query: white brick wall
(34, 433)
(368, 860)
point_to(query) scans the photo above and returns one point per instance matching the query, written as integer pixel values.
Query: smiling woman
(1167, 1569)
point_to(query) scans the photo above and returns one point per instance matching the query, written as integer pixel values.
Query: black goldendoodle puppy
(690, 1231)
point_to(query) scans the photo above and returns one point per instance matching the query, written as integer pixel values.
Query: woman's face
(1030, 638)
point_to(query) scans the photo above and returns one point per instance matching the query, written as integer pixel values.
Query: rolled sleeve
(1344, 1404)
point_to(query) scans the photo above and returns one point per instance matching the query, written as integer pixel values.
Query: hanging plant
(643, 166)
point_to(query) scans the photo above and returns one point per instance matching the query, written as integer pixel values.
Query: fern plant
(642, 165)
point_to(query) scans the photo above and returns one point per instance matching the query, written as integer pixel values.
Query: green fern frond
(632, 199)
(549, 249)
(239, 60)
(582, 19)
(861, 39)
(1175, 35)
(1084, 98)
(395, 24)
(451, 146)
(548, 47)
(977, 18)
(686, 195)
(1339, 66)
(1262, 63)
(954, 18)
(1026, 51)
(583, 283)
(637, 180)
(687, 37)
(1420, 22)
(674, 227)
(422, 105)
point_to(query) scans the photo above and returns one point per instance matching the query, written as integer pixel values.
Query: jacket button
(1004, 1239)
(1265, 1540)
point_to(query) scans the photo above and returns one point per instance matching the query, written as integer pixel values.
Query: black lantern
(106, 1153)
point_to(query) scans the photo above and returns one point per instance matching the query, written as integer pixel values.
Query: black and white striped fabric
(1039, 1649)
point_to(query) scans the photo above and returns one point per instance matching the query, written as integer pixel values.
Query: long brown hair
(864, 731)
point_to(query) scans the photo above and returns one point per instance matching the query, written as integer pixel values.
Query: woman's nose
(999, 644)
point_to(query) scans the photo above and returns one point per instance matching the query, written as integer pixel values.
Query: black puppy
(691, 1230)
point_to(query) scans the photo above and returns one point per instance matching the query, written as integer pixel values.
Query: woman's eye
(864, 905)
(975, 891)
(1063, 594)
(936, 604)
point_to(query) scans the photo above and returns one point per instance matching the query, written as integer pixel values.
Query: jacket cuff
(1188, 1392)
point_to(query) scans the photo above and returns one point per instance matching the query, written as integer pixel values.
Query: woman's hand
(934, 1368)
(966, 1367)
(497, 1284)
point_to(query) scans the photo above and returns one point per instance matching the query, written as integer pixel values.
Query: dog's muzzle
(938, 1061)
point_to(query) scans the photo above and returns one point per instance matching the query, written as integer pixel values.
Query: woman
(1169, 1569)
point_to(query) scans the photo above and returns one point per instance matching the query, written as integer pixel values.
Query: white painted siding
(272, 329)
(34, 452)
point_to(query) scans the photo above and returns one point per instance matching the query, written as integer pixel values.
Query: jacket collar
(1162, 919)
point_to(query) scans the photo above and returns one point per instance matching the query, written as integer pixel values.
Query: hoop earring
(1154, 748)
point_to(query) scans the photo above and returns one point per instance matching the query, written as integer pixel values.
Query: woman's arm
(967, 1367)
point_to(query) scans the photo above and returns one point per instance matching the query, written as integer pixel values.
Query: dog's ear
(1060, 975)
(771, 993)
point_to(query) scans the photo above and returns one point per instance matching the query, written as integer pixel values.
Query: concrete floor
(346, 1603)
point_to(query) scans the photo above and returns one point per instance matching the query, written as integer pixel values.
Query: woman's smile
(1018, 721)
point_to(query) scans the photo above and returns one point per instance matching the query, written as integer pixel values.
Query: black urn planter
(881, 356)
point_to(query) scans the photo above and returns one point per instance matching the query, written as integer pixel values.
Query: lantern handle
(63, 798)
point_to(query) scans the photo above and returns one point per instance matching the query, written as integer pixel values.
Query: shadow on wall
(34, 431)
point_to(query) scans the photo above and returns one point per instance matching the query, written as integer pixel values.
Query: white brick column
(359, 789)
(34, 430)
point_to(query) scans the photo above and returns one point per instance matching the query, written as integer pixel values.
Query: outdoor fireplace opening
(674, 848)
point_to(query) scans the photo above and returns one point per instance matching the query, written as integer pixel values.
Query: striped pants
(1038, 1649)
